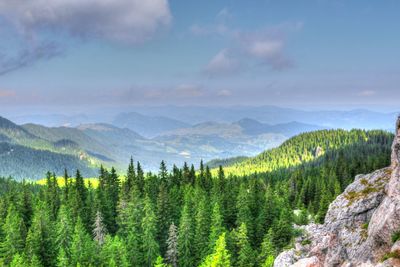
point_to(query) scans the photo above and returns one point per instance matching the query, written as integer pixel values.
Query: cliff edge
(362, 225)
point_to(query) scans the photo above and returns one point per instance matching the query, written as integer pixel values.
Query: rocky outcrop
(360, 224)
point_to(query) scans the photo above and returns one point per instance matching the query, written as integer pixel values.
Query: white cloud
(224, 92)
(127, 21)
(265, 49)
(222, 63)
(367, 93)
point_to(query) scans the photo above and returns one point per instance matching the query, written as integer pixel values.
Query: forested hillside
(305, 147)
(184, 217)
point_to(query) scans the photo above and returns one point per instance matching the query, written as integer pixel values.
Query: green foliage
(395, 236)
(220, 256)
(186, 217)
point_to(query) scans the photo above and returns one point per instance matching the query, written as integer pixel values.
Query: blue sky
(322, 53)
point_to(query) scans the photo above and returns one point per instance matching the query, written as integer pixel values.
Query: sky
(121, 53)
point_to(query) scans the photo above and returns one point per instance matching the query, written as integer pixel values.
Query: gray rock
(359, 223)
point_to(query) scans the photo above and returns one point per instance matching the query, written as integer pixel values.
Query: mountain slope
(22, 162)
(304, 148)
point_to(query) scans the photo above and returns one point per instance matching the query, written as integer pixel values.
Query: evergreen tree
(99, 229)
(149, 242)
(114, 252)
(220, 256)
(64, 232)
(40, 239)
(202, 221)
(163, 216)
(186, 237)
(172, 250)
(245, 252)
(217, 227)
(14, 236)
(134, 226)
(267, 249)
(18, 261)
(82, 247)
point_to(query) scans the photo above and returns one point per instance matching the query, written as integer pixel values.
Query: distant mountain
(253, 127)
(359, 118)
(100, 143)
(149, 126)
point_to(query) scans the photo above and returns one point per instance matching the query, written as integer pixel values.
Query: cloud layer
(40, 24)
(128, 21)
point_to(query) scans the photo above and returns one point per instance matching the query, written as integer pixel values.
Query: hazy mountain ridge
(101, 143)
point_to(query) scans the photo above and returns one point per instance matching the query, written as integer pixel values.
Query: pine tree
(244, 214)
(134, 229)
(217, 227)
(114, 252)
(140, 178)
(18, 261)
(40, 238)
(15, 234)
(172, 242)
(163, 173)
(66, 185)
(82, 247)
(62, 259)
(202, 229)
(267, 249)
(25, 205)
(245, 252)
(150, 246)
(164, 216)
(99, 229)
(220, 256)
(186, 237)
(130, 180)
(64, 232)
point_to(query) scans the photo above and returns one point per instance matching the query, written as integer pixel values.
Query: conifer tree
(40, 238)
(134, 229)
(172, 248)
(217, 227)
(244, 214)
(82, 247)
(202, 229)
(163, 216)
(150, 246)
(186, 237)
(245, 252)
(160, 262)
(99, 229)
(64, 231)
(18, 261)
(267, 249)
(220, 256)
(114, 252)
(62, 259)
(14, 235)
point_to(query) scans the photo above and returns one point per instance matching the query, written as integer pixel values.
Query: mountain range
(87, 146)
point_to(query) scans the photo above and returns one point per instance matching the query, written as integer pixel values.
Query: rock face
(359, 224)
